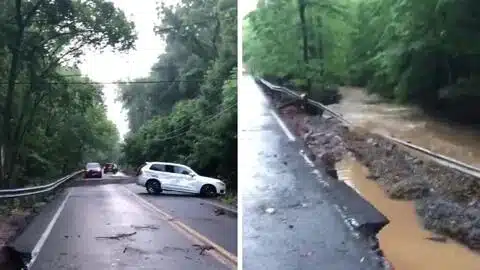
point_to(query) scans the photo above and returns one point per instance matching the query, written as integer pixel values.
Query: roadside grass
(230, 198)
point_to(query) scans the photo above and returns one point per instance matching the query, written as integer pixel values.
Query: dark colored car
(110, 167)
(93, 170)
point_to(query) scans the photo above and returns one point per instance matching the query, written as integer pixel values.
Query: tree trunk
(303, 23)
(7, 113)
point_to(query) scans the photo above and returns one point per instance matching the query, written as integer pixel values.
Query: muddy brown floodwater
(404, 241)
(409, 124)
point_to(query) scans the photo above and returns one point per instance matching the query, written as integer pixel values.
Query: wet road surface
(289, 221)
(108, 227)
(197, 213)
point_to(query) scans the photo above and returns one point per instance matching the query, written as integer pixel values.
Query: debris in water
(117, 236)
(270, 210)
(362, 259)
(440, 239)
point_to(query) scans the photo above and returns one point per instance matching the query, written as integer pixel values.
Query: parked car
(110, 167)
(93, 170)
(163, 176)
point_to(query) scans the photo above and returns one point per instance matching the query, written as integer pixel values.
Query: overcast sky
(109, 67)
(245, 6)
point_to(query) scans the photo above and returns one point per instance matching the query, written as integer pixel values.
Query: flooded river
(409, 124)
(404, 241)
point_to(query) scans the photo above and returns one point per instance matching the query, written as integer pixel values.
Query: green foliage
(185, 111)
(52, 119)
(422, 52)
(273, 41)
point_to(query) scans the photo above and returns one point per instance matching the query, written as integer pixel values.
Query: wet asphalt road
(197, 213)
(79, 238)
(304, 231)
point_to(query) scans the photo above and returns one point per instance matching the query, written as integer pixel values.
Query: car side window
(157, 167)
(182, 170)
(169, 168)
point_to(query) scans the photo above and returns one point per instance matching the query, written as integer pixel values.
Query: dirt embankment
(17, 213)
(447, 201)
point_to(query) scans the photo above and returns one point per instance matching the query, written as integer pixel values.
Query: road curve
(108, 227)
(289, 219)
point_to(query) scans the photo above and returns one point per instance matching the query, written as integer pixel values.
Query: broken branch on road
(117, 236)
(203, 248)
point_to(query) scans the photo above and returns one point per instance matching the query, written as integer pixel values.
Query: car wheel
(153, 187)
(208, 191)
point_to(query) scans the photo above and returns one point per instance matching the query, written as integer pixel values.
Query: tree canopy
(185, 110)
(421, 52)
(53, 119)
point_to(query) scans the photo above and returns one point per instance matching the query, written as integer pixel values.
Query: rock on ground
(451, 219)
(409, 189)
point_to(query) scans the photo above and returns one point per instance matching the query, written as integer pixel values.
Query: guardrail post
(307, 107)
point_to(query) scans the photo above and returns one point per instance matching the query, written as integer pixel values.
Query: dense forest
(53, 119)
(419, 52)
(185, 110)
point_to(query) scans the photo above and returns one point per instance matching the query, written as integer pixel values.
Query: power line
(211, 118)
(110, 82)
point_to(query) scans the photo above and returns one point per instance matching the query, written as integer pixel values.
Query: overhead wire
(108, 82)
(209, 119)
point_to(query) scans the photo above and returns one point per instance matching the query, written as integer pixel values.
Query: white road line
(46, 233)
(320, 178)
(307, 159)
(283, 126)
(218, 252)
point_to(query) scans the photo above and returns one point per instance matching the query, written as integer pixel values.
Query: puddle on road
(409, 124)
(404, 241)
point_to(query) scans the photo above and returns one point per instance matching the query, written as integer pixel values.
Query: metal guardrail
(22, 192)
(441, 159)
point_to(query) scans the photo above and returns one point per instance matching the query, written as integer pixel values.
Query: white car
(162, 176)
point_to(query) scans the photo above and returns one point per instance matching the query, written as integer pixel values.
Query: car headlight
(221, 183)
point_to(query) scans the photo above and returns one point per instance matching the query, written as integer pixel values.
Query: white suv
(162, 176)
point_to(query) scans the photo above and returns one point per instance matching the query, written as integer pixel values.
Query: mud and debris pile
(447, 200)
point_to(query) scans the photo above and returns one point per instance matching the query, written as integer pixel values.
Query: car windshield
(93, 165)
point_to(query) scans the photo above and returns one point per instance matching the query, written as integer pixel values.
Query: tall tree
(39, 39)
(188, 114)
